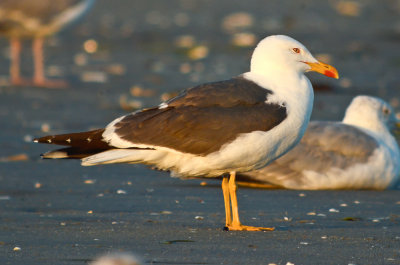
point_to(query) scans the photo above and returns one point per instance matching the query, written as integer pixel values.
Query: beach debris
(129, 104)
(236, 22)
(244, 39)
(351, 219)
(117, 259)
(168, 242)
(45, 127)
(115, 69)
(28, 138)
(348, 8)
(14, 158)
(198, 52)
(94, 77)
(185, 41)
(89, 181)
(81, 59)
(90, 46)
(121, 191)
(138, 91)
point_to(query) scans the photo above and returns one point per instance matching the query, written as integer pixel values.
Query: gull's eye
(296, 50)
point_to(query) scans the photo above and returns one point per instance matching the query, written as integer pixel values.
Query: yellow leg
(225, 190)
(236, 225)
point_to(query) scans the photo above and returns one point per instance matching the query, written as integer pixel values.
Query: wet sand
(57, 212)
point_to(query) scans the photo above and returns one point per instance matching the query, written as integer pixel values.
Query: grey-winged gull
(358, 153)
(36, 19)
(216, 128)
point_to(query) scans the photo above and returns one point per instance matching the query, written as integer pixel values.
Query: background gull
(357, 153)
(26, 19)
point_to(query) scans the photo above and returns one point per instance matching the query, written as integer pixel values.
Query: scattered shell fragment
(237, 21)
(198, 52)
(129, 105)
(116, 259)
(198, 217)
(89, 181)
(203, 183)
(121, 191)
(244, 39)
(343, 205)
(185, 41)
(356, 202)
(14, 158)
(116, 69)
(304, 243)
(90, 212)
(348, 8)
(166, 212)
(81, 59)
(90, 46)
(333, 210)
(38, 185)
(302, 195)
(138, 91)
(28, 138)
(185, 68)
(94, 77)
(324, 237)
(312, 213)
(45, 127)
(17, 249)
(63, 223)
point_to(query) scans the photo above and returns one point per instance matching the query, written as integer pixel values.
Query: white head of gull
(216, 128)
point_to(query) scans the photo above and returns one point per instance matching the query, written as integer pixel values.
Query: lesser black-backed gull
(36, 19)
(358, 153)
(214, 129)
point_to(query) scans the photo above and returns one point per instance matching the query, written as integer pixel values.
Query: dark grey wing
(203, 118)
(325, 145)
